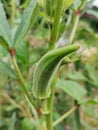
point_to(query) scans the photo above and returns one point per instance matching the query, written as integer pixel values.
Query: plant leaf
(4, 43)
(77, 76)
(92, 74)
(67, 4)
(88, 109)
(73, 89)
(47, 68)
(4, 26)
(26, 22)
(92, 101)
(7, 70)
(92, 12)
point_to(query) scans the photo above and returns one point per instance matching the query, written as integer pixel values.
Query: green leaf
(77, 76)
(73, 89)
(27, 124)
(92, 74)
(7, 70)
(22, 56)
(4, 26)
(88, 109)
(4, 43)
(27, 20)
(92, 101)
(92, 12)
(47, 69)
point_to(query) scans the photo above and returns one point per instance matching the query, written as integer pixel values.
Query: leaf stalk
(20, 77)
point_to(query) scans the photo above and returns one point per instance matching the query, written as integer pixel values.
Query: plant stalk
(52, 42)
(26, 91)
(20, 77)
(77, 117)
(64, 116)
(49, 122)
(55, 29)
(13, 11)
(76, 22)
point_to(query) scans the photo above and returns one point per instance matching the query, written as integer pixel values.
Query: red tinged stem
(39, 111)
(77, 12)
(12, 52)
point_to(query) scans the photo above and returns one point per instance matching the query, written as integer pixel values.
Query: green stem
(64, 116)
(71, 38)
(52, 42)
(50, 106)
(37, 123)
(22, 81)
(55, 29)
(81, 5)
(76, 22)
(77, 117)
(13, 11)
(77, 111)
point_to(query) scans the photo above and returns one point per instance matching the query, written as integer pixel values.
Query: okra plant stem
(55, 29)
(52, 42)
(50, 106)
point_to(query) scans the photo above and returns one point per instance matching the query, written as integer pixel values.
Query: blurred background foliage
(14, 112)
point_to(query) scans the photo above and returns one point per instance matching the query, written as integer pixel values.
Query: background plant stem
(23, 84)
(71, 39)
(64, 116)
(77, 117)
(76, 22)
(20, 77)
(13, 11)
(77, 111)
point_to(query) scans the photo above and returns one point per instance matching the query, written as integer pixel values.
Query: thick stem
(64, 116)
(20, 77)
(55, 29)
(50, 107)
(52, 42)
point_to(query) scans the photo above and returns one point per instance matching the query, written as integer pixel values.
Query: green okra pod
(46, 69)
